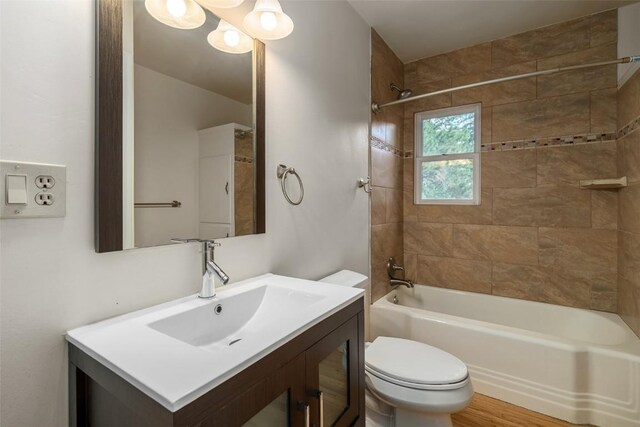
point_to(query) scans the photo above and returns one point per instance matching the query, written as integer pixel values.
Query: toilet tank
(355, 280)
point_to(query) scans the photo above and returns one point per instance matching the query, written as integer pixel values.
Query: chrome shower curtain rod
(375, 107)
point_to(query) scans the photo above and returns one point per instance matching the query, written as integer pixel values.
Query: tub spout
(407, 283)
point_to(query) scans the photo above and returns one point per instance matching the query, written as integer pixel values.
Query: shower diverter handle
(392, 267)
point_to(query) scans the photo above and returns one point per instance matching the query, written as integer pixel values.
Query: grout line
(492, 278)
(492, 114)
(591, 112)
(591, 209)
(537, 69)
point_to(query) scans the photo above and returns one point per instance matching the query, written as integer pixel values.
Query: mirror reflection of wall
(226, 177)
(188, 134)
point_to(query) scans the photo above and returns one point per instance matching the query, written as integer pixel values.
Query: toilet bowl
(423, 384)
(409, 384)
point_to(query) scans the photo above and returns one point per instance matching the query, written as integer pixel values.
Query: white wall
(628, 40)
(168, 114)
(52, 280)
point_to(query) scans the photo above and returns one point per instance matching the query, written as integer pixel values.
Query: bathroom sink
(228, 320)
(178, 351)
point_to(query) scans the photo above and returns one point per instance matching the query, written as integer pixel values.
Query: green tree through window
(448, 179)
(447, 149)
(448, 134)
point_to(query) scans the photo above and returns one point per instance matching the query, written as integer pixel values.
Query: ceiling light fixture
(222, 4)
(267, 21)
(228, 38)
(182, 14)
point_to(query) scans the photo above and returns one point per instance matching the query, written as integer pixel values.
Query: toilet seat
(416, 386)
(414, 365)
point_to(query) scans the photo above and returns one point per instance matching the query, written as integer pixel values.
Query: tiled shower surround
(629, 200)
(536, 235)
(386, 166)
(244, 178)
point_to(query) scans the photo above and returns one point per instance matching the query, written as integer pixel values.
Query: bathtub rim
(629, 349)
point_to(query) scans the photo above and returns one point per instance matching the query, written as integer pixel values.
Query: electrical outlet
(44, 199)
(32, 190)
(45, 181)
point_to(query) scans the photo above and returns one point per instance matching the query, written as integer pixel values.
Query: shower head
(402, 93)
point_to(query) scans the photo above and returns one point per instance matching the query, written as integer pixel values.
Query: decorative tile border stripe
(243, 159)
(526, 144)
(381, 145)
(239, 133)
(631, 127)
(554, 141)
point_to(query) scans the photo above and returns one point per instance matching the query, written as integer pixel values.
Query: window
(447, 156)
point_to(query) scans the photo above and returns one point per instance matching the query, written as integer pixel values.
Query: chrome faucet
(392, 267)
(407, 283)
(212, 274)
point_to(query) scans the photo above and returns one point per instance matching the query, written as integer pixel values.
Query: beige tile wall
(629, 198)
(386, 166)
(536, 234)
(244, 183)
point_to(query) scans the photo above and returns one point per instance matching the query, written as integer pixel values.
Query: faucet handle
(208, 246)
(210, 243)
(392, 267)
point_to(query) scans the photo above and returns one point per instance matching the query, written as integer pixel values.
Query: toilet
(409, 383)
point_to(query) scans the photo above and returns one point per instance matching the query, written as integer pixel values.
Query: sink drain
(235, 341)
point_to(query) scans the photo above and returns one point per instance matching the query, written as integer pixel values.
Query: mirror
(180, 132)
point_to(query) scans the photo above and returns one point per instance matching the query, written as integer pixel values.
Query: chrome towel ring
(283, 172)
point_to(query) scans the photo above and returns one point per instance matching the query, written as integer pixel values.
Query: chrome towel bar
(173, 204)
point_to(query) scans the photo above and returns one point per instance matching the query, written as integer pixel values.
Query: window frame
(474, 156)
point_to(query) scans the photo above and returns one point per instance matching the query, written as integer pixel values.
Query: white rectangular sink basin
(241, 316)
(178, 351)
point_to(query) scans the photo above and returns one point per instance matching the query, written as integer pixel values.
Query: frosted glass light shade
(222, 4)
(183, 14)
(267, 21)
(228, 38)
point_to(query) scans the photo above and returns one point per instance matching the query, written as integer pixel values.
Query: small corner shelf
(604, 184)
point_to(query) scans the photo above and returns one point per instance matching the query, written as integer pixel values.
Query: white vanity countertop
(175, 372)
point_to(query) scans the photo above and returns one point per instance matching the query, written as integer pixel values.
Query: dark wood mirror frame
(108, 128)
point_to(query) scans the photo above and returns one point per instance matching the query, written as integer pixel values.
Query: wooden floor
(487, 412)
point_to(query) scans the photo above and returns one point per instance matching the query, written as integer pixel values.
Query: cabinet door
(215, 186)
(332, 377)
(276, 401)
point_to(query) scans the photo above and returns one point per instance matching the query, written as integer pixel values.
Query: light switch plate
(46, 190)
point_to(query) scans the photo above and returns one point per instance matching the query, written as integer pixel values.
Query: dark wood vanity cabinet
(315, 379)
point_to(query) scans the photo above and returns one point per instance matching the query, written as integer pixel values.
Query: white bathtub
(578, 365)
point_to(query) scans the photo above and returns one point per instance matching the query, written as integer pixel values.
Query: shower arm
(375, 107)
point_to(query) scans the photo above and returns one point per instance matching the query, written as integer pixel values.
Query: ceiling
(416, 29)
(186, 55)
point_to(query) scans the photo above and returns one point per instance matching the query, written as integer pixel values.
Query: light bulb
(268, 20)
(231, 38)
(228, 38)
(183, 14)
(177, 8)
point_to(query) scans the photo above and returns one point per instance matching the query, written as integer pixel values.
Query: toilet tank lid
(347, 278)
